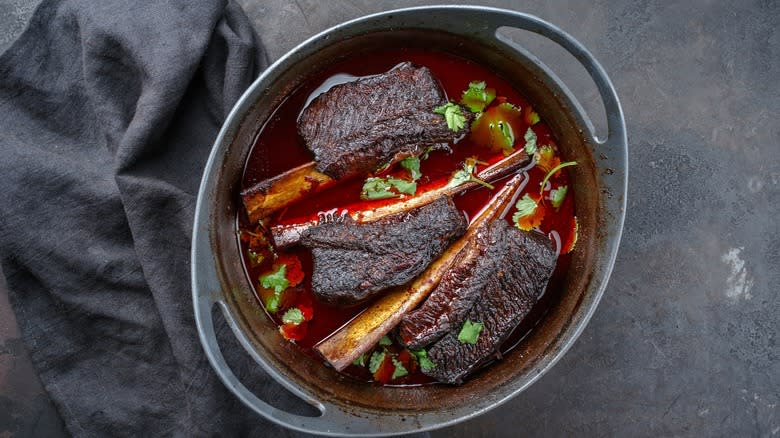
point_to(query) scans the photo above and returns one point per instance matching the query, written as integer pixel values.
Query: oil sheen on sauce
(279, 148)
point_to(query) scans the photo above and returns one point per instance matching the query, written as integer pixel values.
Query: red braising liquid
(278, 148)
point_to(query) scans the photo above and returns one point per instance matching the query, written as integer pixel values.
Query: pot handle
(205, 323)
(616, 125)
(331, 416)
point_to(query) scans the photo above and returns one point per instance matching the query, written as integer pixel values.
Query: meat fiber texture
(508, 278)
(353, 262)
(360, 126)
(456, 293)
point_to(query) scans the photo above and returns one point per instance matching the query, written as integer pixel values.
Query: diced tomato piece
(407, 360)
(384, 374)
(294, 272)
(307, 311)
(293, 332)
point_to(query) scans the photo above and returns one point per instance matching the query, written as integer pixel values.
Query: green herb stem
(552, 172)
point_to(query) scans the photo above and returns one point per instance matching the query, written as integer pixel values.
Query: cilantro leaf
(360, 361)
(403, 186)
(460, 177)
(557, 196)
(469, 333)
(525, 206)
(422, 359)
(376, 361)
(385, 341)
(399, 370)
(412, 164)
(377, 188)
(529, 214)
(478, 96)
(534, 118)
(276, 280)
(453, 115)
(272, 303)
(530, 141)
(426, 364)
(293, 315)
(466, 174)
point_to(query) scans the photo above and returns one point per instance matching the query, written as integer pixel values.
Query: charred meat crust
(353, 262)
(357, 127)
(453, 297)
(508, 277)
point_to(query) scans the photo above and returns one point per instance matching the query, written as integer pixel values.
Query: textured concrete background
(685, 339)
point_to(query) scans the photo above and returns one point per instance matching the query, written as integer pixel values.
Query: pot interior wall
(517, 368)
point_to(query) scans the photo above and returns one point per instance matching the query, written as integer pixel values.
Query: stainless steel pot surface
(348, 407)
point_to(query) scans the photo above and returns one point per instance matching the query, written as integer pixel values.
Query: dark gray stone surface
(685, 340)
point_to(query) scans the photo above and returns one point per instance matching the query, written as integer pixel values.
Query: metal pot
(348, 407)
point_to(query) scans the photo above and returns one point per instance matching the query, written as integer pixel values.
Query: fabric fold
(108, 112)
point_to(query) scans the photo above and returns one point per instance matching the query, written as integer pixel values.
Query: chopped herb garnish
(360, 361)
(557, 196)
(529, 213)
(380, 188)
(530, 142)
(377, 188)
(469, 333)
(467, 175)
(412, 164)
(403, 186)
(423, 360)
(478, 96)
(534, 118)
(293, 315)
(376, 361)
(453, 115)
(275, 280)
(385, 341)
(525, 206)
(400, 369)
(272, 302)
(553, 171)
